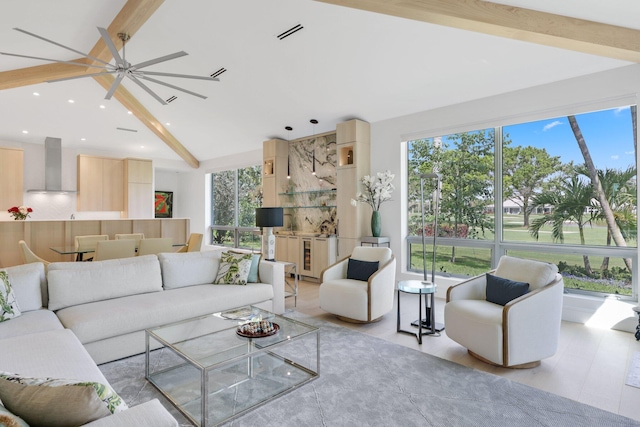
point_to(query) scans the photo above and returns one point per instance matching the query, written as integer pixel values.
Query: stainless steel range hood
(52, 167)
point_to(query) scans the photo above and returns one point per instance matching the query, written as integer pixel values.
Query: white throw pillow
(8, 304)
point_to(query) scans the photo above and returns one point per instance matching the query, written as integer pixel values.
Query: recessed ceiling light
(129, 112)
(103, 107)
(25, 131)
(36, 94)
(83, 139)
(142, 146)
(71, 101)
(168, 124)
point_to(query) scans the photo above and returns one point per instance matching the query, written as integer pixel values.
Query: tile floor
(590, 365)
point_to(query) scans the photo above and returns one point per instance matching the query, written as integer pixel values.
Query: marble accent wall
(311, 199)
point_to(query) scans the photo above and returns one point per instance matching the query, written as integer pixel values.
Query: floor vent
(171, 99)
(217, 73)
(290, 31)
(127, 130)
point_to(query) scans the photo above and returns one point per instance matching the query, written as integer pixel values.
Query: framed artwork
(164, 204)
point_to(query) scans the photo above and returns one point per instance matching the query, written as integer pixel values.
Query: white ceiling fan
(122, 67)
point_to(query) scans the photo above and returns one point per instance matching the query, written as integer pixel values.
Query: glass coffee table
(212, 374)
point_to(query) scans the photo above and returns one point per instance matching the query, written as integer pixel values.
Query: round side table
(420, 288)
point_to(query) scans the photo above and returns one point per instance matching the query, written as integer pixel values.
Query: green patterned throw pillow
(234, 269)
(8, 303)
(49, 402)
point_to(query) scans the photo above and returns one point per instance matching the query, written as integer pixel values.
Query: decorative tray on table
(259, 329)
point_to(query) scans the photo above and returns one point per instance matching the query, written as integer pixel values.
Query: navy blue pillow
(501, 290)
(361, 270)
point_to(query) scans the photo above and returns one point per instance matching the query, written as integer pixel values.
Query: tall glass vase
(375, 223)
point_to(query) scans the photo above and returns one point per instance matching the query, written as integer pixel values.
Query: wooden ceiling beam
(141, 113)
(129, 20)
(513, 22)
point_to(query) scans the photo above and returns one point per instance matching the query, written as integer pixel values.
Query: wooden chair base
(350, 320)
(522, 366)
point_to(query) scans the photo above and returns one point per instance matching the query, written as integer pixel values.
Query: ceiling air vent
(217, 73)
(127, 130)
(171, 99)
(290, 31)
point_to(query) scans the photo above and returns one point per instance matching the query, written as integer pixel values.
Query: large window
(236, 195)
(567, 195)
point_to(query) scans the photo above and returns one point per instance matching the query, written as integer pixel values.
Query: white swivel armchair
(361, 298)
(517, 334)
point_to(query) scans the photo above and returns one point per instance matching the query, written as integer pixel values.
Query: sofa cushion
(29, 284)
(52, 402)
(138, 312)
(8, 303)
(361, 270)
(188, 268)
(8, 419)
(501, 291)
(81, 283)
(234, 269)
(536, 273)
(30, 322)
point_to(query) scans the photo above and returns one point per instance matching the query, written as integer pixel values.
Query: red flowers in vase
(20, 213)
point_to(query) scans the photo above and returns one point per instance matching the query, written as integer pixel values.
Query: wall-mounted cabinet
(11, 176)
(100, 184)
(138, 196)
(275, 154)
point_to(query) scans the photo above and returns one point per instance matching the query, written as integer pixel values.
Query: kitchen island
(40, 235)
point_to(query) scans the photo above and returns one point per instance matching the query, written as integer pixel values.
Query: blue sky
(608, 134)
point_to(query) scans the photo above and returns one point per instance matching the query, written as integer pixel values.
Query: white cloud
(551, 125)
(629, 152)
(615, 157)
(621, 109)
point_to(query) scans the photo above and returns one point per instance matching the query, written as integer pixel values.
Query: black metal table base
(426, 323)
(431, 329)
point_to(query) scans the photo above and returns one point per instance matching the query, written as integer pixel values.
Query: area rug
(366, 381)
(633, 376)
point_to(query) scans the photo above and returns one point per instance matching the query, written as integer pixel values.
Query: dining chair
(28, 256)
(194, 244)
(155, 245)
(134, 236)
(88, 242)
(113, 249)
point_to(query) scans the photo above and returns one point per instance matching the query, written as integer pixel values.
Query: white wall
(597, 91)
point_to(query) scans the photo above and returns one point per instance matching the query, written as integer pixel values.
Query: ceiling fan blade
(62, 46)
(146, 88)
(184, 76)
(112, 47)
(114, 86)
(160, 59)
(80, 77)
(54, 60)
(173, 87)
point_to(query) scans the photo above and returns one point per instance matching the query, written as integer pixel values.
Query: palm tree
(620, 192)
(606, 210)
(572, 202)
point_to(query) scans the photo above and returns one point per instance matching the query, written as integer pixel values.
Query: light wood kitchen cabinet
(100, 184)
(293, 250)
(281, 249)
(12, 177)
(139, 197)
(324, 254)
(275, 154)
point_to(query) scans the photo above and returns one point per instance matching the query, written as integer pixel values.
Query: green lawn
(475, 261)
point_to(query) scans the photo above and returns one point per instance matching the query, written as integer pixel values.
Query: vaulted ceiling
(344, 63)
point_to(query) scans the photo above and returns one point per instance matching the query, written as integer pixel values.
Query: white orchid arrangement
(378, 189)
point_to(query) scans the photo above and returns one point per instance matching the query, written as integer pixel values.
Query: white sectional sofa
(84, 314)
